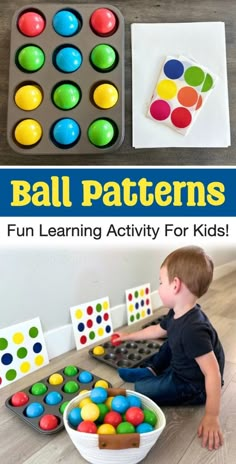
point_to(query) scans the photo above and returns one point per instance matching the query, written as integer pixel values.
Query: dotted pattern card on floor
(138, 303)
(91, 322)
(180, 93)
(22, 350)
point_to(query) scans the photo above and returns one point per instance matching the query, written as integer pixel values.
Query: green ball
(38, 389)
(125, 427)
(63, 407)
(101, 132)
(66, 96)
(103, 57)
(31, 58)
(103, 408)
(70, 371)
(149, 417)
(71, 387)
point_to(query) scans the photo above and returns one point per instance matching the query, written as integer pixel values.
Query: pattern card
(180, 93)
(138, 303)
(91, 322)
(22, 350)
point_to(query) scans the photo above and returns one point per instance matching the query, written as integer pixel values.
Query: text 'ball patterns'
(91, 322)
(22, 350)
(138, 303)
(66, 79)
(180, 93)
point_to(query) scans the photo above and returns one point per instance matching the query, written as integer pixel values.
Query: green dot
(31, 58)
(208, 83)
(71, 387)
(33, 332)
(66, 96)
(98, 307)
(11, 375)
(3, 343)
(22, 353)
(101, 132)
(136, 294)
(92, 335)
(137, 316)
(103, 57)
(63, 407)
(70, 371)
(38, 389)
(131, 319)
(194, 76)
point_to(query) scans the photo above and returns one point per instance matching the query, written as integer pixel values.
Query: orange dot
(199, 103)
(187, 96)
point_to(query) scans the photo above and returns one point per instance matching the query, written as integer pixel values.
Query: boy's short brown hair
(191, 265)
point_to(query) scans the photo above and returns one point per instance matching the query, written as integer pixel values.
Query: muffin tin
(80, 96)
(127, 354)
(72, 374)
(154, 321)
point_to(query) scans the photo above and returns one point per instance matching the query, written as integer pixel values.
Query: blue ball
(134, 401)
(65, 23)
(120, 404)
(68, 59)
(53, 398)
(66, 131)
(144, 428)
(74, 417)
(34, 410)
(85, 377)
(98, 395)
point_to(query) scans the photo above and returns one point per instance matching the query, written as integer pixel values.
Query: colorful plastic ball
(71, 387)
(84, 401)
(31, 58)
(108, 402)
(90, 412)
(113, 417)
(48, 422)
(28, 97)
(53, 398)
(74, 417)
(87, 427)
(68, 59)
(105, 96)
(125, 427)
(66, 131)
(144, 428)
(120, 404)
(85, 377)
(55, 379)
(38, 388)
(103, 408)
(101, 383)
(103, 57)
(101, 132)
(83, 391)
(28, 132)
(98, 395)
(63, 407)
(66, 96)
(98, 350)
(66, 23)
(134, 401)
(103, 22)
(114, 340)
(19, 399)
(70, 371)
(134, 415)
(150, 417)
(106, 429)
(31, 23)
(34, 410)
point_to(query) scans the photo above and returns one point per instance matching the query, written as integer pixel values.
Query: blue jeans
(166, 388)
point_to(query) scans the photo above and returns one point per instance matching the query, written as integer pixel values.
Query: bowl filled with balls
(113, 425)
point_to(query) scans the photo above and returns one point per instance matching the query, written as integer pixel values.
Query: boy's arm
(209, 428)
(151, 332)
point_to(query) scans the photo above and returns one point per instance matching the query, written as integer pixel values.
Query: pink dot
(89, 323)
(130, 297)
(181, 117)
(147, 301)
(147, 291)
(160, 110)
(89, 310)
(83, 340)
(106, 316)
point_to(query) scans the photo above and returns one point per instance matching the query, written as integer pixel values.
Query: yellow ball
(28, 97)
(98, 350)
(84, 402)
(106, 429)
(90, 412)
(105, 96)
(82, 392)
(109, 401)
(55, 379)
(28, 132)
(101, 383)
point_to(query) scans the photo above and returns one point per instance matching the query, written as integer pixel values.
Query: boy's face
(166, 289)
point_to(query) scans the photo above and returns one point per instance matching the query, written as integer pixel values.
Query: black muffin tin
(127, 354)
(154, 321)
(51, 409)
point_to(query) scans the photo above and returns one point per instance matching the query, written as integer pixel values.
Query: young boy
(188, 369)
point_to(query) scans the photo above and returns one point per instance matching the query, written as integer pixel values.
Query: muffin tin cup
(128, 354)
(51, 409)
(86, 77)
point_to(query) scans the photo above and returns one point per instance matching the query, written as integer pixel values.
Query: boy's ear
(176, 284)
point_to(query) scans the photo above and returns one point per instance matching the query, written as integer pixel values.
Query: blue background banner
(126, 192)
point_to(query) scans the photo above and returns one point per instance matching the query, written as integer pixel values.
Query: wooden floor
(177, 444)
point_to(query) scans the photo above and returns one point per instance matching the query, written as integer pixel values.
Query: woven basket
(114, 449)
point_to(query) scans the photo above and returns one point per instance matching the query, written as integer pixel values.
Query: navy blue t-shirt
(190, 336)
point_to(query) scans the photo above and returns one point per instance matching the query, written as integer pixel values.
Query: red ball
(103, 22)
(114, 337)
(134, 415)
(87, 427)
(31, 24)
(19, 399)
(48, 422)
(112, 417)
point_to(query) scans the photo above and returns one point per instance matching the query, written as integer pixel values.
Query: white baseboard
(61, 340)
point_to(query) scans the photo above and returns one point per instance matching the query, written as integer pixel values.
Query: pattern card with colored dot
(138, 303)
(180, 93)
(91, 322)
(22, 350)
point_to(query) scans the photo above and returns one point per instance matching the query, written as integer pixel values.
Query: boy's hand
(209, 430)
